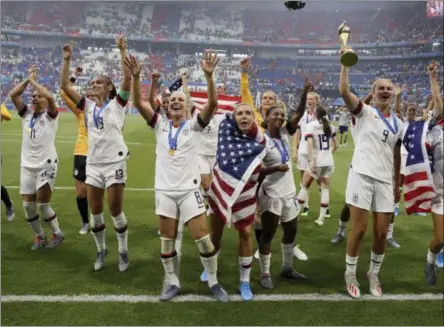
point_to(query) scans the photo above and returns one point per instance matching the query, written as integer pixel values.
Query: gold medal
(28, 129)
(171, 152)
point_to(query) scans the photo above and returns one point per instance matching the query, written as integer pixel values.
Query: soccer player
(232, 195)
(107, 152)
(10, 212)
(370, 183)
(277, 192)
(80, 155)
(434, 143)
(177, 179)
(300, 144)
(321, 143)
(38, 159)
(343, 125)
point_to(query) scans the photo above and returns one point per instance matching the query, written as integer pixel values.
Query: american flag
(238, 164)
(225, 103)
(418, 181)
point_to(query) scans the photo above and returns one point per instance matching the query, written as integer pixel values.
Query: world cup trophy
(349, 57)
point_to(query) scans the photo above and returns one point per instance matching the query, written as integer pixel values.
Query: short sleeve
(24, 112)
(333, 131)
(197, 124)
(155, 121)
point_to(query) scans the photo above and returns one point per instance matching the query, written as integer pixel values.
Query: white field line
(202, 298)
(73, 188)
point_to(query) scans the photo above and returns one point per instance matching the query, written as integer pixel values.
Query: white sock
(169, 265)
(287, 254)
(431, 257)
(97, 221)
(245, 268)
(303, 196)
(397, 205)
(50, 217)
(341, 227)
(36, 226)
(264, 261)
(210, 266)
(390, 231)
(375, 263)
(325, 199)
(120, 223)
(351, 264)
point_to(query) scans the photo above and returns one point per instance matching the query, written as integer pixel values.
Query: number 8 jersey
(375, 138)
(322, 144)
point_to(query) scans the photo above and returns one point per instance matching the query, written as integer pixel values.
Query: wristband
(73, 78)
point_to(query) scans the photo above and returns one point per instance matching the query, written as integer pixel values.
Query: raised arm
(294, 120)
(186, 90)
(52, 107)
(436, 96)
(351, 100)
(65, 84)
(245, 84)
(152, 90)
(16, 95)
(144, 108)
(208, 65)
(123, 46)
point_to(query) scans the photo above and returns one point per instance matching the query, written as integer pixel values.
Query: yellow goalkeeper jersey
(81, 147)
(247, 98)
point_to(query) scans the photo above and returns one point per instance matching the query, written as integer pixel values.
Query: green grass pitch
(68, 269)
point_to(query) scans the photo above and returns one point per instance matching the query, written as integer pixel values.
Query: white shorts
(321, 172)
(284, 207)
(437, 205)
(103, 176)
(206, 164)
(303, 162)
(32, 179)
(368, 193)
(403, 162)
(180, 204)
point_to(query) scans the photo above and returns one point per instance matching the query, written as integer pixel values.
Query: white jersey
(38, 142)
(322, 144)
(105, 131)
(343, 118)
(208, 138)
(435, 143)
(375, 142)
(305, 120)
(279, 184)
(177, 170)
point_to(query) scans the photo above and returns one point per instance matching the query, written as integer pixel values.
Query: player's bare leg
(97, 221)
(245, 261)
(381, 221)
(10, 212)
(82, 206)
(327, 211)
(115, 204)
(305, 209)
(359, 222)
(257, 226)
(43, 197)
(217, 227)
(306, 180)
(287, 244)
(435, 246)
(198, 227)
(343, 219)
(325, 200)
(33, 219)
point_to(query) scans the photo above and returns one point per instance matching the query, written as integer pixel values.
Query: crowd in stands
(214, 21)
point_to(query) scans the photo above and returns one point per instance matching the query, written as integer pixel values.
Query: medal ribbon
(173, 140)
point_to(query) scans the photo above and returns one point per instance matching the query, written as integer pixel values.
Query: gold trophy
(349, 57)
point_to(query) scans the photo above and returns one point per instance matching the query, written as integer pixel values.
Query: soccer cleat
(158, 232)
(327, 214)
(256, 254)
(352, 285)
(204, 277)
(245, 291)
(299, 254)
(39, 242)
(430, 273)
(100, 259)
(396, 211)
(84, 229)
(375, 285)
(337, 238)
(10, 214)
(123, 261)
(55, 240)
(440, 259)
(290, 273)
(305, 212)
(266, 282)
(219, 293)
(169, 292)
(319, 221)
(393, 243)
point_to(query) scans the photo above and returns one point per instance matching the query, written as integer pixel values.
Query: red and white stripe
(418, 183)
(225, 103)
